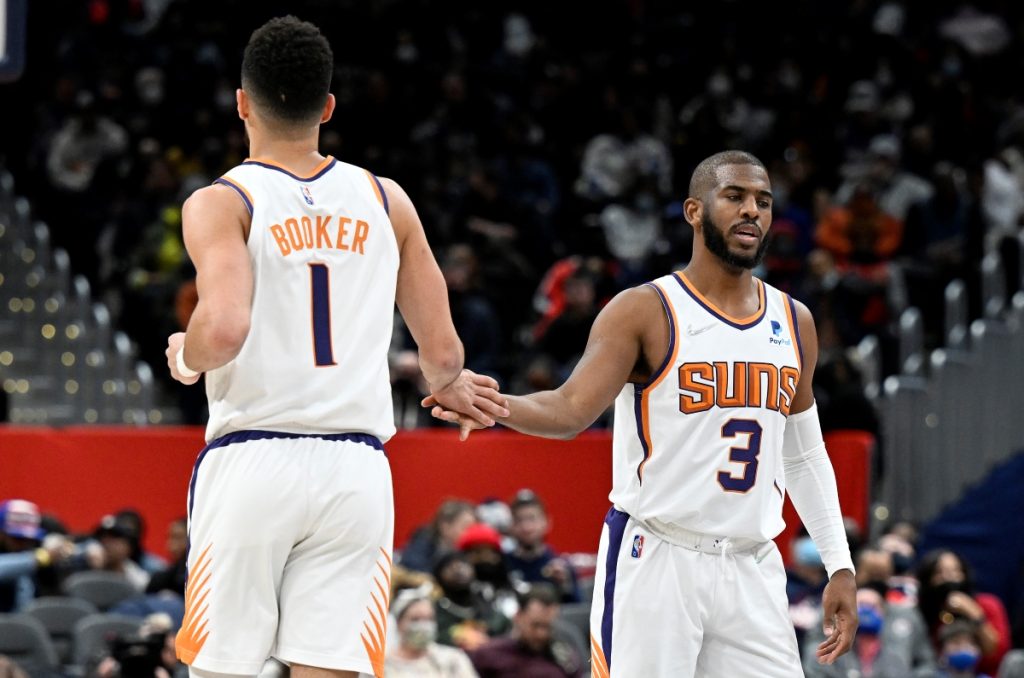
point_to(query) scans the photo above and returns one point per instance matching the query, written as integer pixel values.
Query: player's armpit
(611, 354)
(214, 223)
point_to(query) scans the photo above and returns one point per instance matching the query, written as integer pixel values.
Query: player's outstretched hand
(839, 608)
(472, 401)
(174, 344)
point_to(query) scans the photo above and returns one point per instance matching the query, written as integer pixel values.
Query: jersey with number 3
(325, 266)
(699, 446)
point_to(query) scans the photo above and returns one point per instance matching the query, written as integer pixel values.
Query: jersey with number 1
(325, 266)
(699, 446)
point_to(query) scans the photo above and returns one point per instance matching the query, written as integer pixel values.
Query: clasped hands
(471, 400)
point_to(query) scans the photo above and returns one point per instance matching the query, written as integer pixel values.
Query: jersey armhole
(794, 329)
(673, 344)
(378, 189)
(237, 188)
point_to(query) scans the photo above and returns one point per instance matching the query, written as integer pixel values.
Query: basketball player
(300, 260)
(710, 372)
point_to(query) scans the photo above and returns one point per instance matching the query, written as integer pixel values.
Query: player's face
(737, 215)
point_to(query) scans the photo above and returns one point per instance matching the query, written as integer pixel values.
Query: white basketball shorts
(662, 609)
(289, 556)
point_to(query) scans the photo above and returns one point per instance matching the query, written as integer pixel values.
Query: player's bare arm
(214, 224)
(839, 601)
(422, 298)
(630, 328)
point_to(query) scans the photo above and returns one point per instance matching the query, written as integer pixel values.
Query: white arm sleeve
(811, 484)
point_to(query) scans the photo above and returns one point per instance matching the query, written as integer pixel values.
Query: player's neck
(719, 282)
(299, 155)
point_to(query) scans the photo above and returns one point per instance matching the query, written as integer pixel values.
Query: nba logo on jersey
(638, 545)
(306, 195)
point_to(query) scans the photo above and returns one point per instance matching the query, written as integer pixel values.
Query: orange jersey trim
(719, 312)
(311, 174)
(670, 361)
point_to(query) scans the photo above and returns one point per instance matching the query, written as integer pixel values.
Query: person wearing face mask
(465, 617)
(947, 594)
(415, 653)
(961, 655)
(892, 641)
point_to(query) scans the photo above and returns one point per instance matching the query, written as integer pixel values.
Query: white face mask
(419, 634)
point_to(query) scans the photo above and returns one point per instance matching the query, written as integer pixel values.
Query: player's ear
(693, 211)
(328, 109)
(242, 100)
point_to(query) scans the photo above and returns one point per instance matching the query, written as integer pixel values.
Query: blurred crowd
(480, 591)
(547, 162)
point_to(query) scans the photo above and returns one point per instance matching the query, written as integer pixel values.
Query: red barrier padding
(81, 473)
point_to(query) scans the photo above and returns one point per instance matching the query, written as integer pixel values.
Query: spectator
(532, 560)
(149, 562)
(23, 553)
(146, 654)
(891, 642)
(481, 545)
(173, 578)
(429, 543)
(8, 669)
(895, 189)
(118, 540)
(805, 582)
(416, 654)
(473, 315)
(531, 649)
(567, 335)
(959, 652)
(465, 618)
(947, 594)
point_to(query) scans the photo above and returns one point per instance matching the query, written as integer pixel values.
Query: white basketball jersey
(700, 445)
(325, 265)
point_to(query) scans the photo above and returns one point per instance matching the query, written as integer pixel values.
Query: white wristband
(183, 369)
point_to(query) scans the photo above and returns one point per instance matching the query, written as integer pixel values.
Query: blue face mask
(806, 552)
(964, 660)
(870, 620)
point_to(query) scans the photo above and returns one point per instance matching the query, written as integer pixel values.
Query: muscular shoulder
(635, 305)
(217, 197)
(400, 209)
(207, 210)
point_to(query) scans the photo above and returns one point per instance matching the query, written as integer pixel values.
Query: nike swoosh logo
(700, 330)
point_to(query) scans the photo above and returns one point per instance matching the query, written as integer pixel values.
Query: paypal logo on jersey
(777, 337)
(306, 195)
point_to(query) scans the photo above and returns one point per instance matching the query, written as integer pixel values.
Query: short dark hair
(287, 69)
(705, 176)
(542, 593)
(525, 497)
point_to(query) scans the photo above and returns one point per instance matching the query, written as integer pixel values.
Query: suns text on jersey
(320, 232)
(736, 384)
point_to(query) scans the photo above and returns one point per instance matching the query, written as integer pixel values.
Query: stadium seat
(92, 635)
(577, 615)
(102, 589)
(23, 639)
(58, 615)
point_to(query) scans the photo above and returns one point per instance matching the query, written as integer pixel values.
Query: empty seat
(58, 615)
(102, 589)
(23, 639)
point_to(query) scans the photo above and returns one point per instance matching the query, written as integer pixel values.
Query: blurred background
(548, 148)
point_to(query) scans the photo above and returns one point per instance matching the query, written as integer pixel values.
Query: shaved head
(705, 177)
